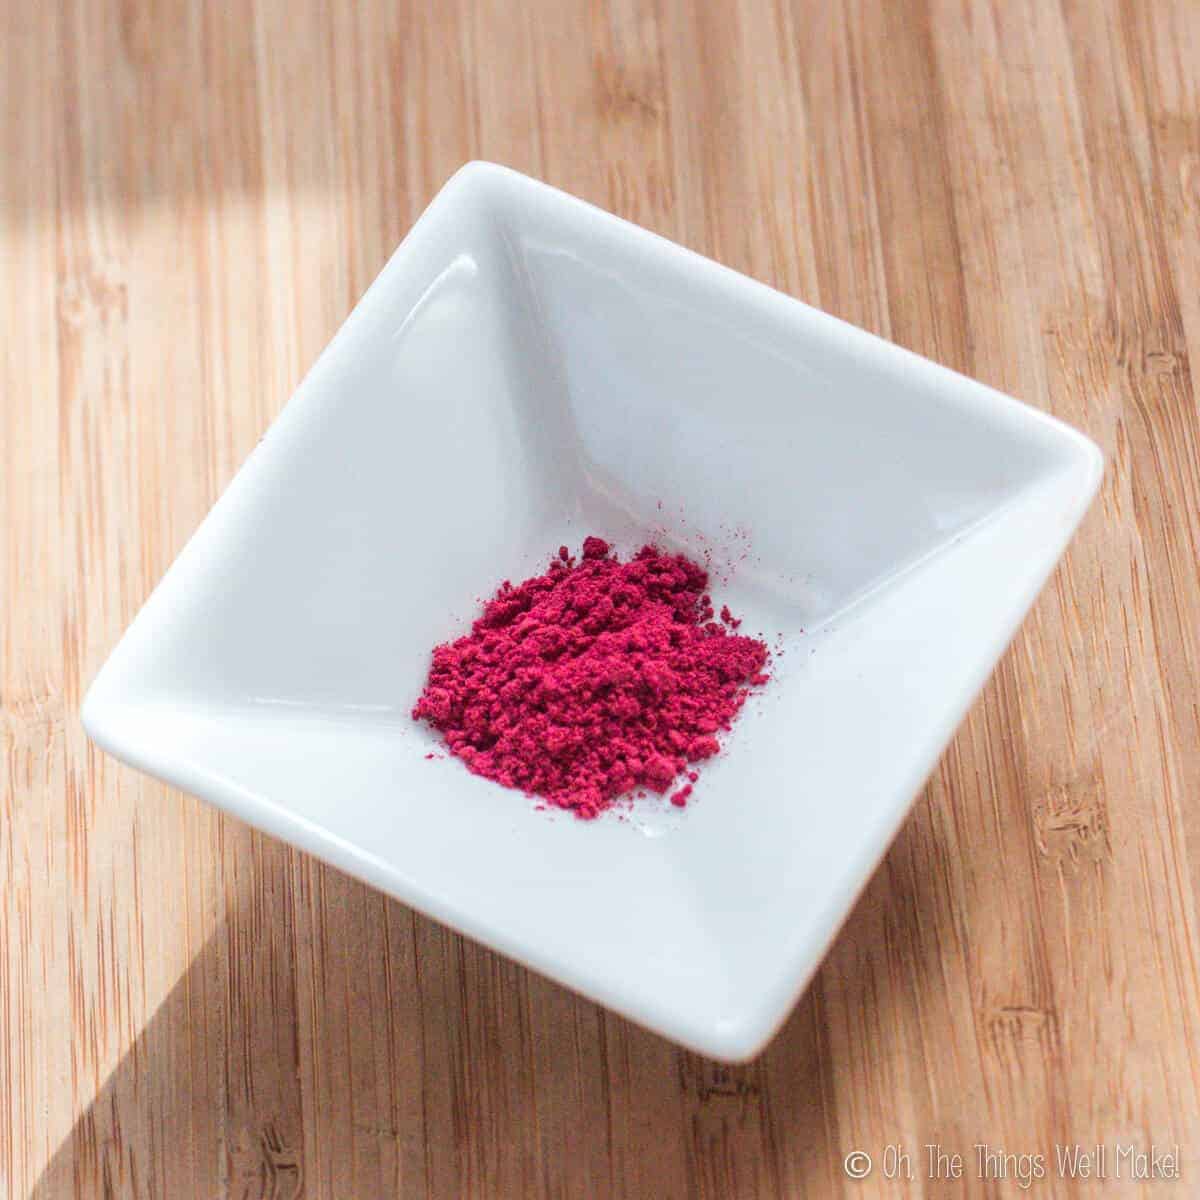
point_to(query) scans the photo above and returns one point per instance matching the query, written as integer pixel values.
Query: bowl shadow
(330, 1041)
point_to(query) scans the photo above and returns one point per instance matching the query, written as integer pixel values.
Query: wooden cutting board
(192, 196)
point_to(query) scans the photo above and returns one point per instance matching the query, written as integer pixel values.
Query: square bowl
(527, 370)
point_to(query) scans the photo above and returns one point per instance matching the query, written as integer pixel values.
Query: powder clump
(594, 679)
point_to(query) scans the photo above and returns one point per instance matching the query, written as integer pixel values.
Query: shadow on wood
(328, 1041)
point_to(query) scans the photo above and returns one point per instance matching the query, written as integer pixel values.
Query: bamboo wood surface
(192, 196)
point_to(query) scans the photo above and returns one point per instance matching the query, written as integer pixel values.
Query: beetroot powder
(593, 679)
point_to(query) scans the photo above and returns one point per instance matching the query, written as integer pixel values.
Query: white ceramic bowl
(527, 370)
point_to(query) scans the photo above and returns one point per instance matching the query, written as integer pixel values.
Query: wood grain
(192, 196)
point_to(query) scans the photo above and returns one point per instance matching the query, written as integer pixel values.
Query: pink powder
(593, 680)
